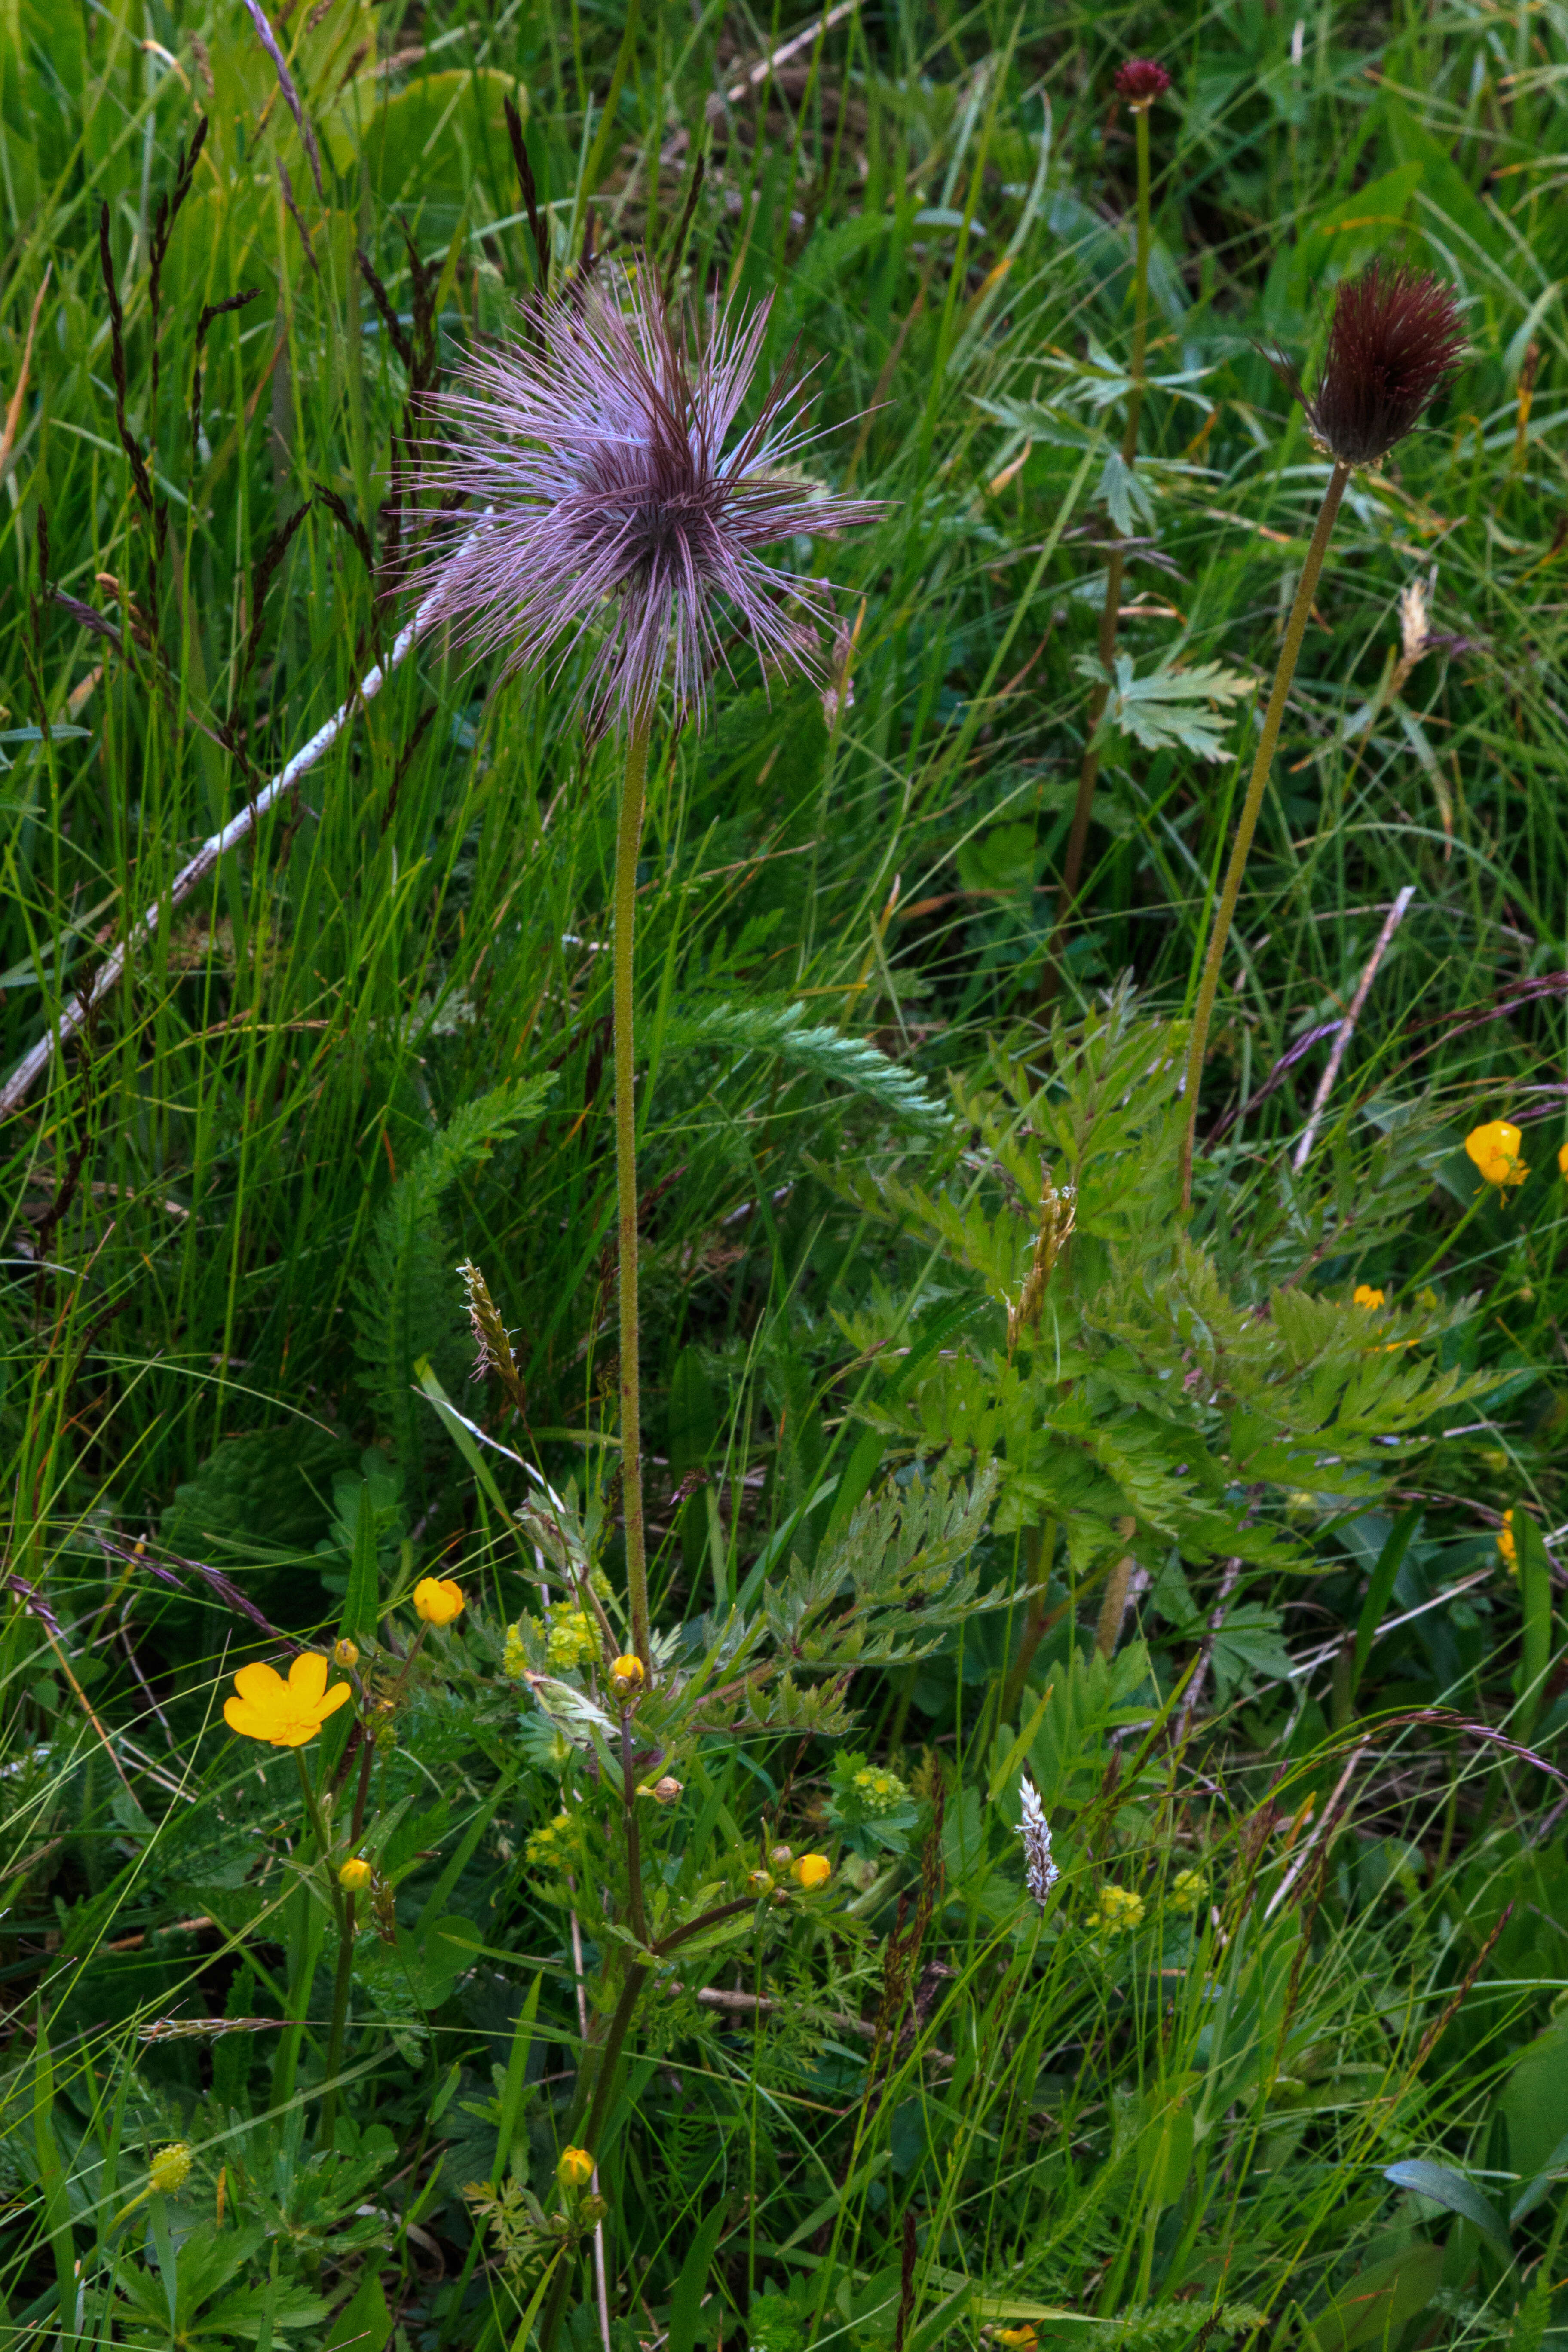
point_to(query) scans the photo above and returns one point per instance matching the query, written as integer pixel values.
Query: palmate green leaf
(1183, 709)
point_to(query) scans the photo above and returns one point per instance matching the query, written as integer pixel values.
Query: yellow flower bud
(345, 1653)
(171, 2168)
(664, 1792)
(626, 1677)
(811, 1870)
(575, 2168)
(354, 1876)
(1494, 1148)
(760, 1881)
(439, 1600)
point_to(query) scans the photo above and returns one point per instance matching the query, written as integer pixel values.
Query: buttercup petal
(243, 1715)
(308, 1677)
(259, 1683)
(335, 1698)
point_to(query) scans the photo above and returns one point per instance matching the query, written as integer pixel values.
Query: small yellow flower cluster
(1365, 1295)
(1119, 1911)
(554, 1846)
(1494, 1148)
(574, 1640)
(1188, 1889)
(879, 1791)
(1507, 1544)
(514, 1657)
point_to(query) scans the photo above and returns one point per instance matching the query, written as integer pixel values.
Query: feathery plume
(1040, 1873)
(1396, 335)
(599, 444)
(1140, 81)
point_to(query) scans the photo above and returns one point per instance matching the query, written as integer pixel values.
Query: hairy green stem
(1088, 773)
(629, 842)
(1306, 588)
(345, 1951)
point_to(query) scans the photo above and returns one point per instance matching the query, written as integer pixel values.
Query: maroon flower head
(1140, 81)
(596, 448)
(1396, 334)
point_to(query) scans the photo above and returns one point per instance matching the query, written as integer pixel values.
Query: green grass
(377, 1043)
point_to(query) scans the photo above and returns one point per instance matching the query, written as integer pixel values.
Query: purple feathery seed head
(1140, 81)
(596, 447)
(1397, 333)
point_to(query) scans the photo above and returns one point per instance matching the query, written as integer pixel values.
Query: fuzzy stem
(1088, 773)
(345, 1950)
(1306, 588)
(628, 841)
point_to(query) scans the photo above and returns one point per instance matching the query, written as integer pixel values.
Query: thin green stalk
(628, 841)
(1088, 773)
(1306, 589)
(345, 1951)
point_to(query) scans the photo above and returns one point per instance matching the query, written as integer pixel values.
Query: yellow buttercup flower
(284, 1713)
(1507, 1544)
(171, 2168)
(1017, 2339)
(1365, 1295)
(811, 1870)
(439, 1600)
(354, 1876)
(627, 1676)
(1562, 1160)
(575, 2168)
(1494, 1148)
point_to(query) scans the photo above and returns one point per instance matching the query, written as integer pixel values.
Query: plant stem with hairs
(345, 1925)
(1088, 773)
(628, 841)
(1306, 588)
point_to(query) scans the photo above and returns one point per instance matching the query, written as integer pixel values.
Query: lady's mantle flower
(1188, 1889)
(1507, 1544)
(1140, 81)
(596, 447)
(1365, 1295)
(1040, 1873)
(1396, 335)
(1494, 1148)
(574, 1640)
(439, 1600)
(285, 1714)
(555, 1845)
(879, 1791)
(1119, 1911)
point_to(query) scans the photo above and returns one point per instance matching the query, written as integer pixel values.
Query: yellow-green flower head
(354, 1876)
(811, 1870)
(1365, 1295)
(626, 1677)
(439, 1600)
(1494, 1148)
(171, 2168)
(1507, 1544)
(1188, 1889)
(879, 1791)
(574, 1640)
(514, 1657)
(552, 1846)
(575, 2168)
(284, 1713)
(1119, 1911)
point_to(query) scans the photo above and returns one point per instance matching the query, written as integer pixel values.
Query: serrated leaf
(1185, 710)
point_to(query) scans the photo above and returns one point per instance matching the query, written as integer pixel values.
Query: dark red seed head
(1140, 81)
(1396, 335)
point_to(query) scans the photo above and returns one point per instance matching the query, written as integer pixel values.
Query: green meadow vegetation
(511, 1976)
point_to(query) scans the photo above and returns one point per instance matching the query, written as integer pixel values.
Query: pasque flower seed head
(1140, 81)
(597, 446)
(1396, 334)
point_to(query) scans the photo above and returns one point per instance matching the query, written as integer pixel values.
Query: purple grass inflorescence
(596, 447)
(1397, 333)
